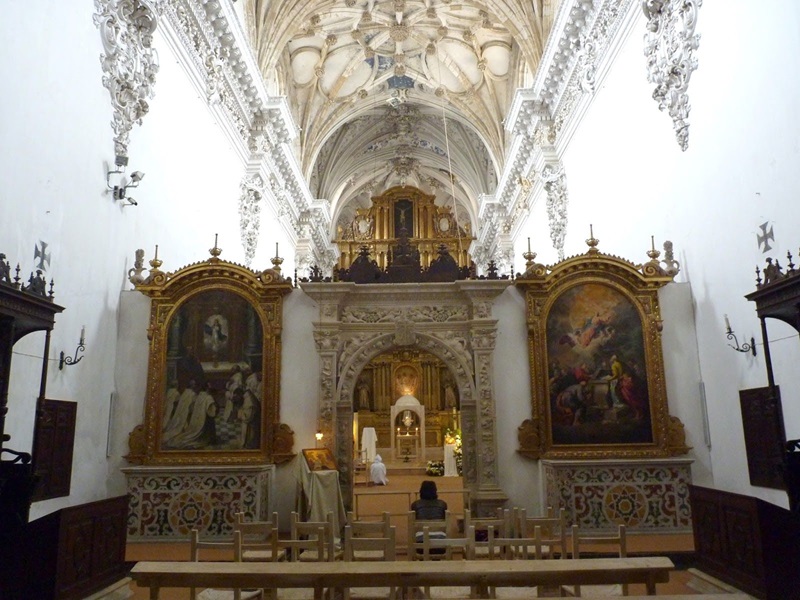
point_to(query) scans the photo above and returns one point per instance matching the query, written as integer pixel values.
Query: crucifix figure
(403, 212)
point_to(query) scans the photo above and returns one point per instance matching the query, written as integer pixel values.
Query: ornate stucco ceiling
(399, 92)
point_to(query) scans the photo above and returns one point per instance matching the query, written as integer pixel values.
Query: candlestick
(156, 256)
(216, 236)
(83, 335)
(591, 231)
(276, 248)
(727, 323)
(529, 244)
(652, 242)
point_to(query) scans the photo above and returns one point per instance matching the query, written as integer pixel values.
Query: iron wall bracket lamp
(120, 192)
(65, 360)
(751, 347)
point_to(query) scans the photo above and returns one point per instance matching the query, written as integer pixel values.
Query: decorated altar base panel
(647, 496)
(168, 502)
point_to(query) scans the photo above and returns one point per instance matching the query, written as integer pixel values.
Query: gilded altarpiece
(600, 417)
(402, 210)
(211, 433)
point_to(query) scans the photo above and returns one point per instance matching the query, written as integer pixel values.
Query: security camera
(137, 176)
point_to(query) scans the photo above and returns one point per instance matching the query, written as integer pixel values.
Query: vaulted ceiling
(399, 92)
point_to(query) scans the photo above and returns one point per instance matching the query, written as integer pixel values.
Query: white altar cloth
(369, 442)
(450, 469)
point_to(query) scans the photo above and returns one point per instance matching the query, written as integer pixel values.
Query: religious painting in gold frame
(597, 372)
(213, 381)
(319, 459)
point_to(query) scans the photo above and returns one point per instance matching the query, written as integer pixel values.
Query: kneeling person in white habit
(377, 471)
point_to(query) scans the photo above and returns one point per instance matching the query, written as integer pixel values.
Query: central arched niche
(450, 321)
(401, 372)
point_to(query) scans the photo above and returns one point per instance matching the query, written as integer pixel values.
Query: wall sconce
(751, 347)
(318, 438)
(120, 192)
(74, 360)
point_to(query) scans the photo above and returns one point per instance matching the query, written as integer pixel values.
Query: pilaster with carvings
(555, 185)
(129, 61)
(250, 215)
(669, 45)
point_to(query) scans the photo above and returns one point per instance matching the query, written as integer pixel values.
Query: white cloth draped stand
(450, 468)
(369, 443)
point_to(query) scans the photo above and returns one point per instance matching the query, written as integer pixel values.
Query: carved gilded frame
(581, 409)
(260, 296)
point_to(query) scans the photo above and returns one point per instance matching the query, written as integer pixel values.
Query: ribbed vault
(389, 92)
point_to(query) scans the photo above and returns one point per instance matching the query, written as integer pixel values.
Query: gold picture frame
(319, 459)
(597, 372)
(213, 384)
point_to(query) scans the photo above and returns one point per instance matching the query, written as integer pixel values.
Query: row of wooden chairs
(509, 535)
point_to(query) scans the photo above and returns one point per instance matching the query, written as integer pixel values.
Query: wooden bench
(697, 597)
(480, 574)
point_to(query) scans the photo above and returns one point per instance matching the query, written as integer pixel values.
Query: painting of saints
(213, 395)
(597, 384)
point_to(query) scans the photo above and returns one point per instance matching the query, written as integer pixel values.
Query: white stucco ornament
(669, 46)
(555, 184)
(129, 61)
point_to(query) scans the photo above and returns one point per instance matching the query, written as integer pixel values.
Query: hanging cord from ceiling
(449, 161)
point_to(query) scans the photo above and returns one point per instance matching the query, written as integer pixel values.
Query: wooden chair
(553, 531)
(200, 549)
(525, 548)
(516, 548)
(259, 540)
(465, 545)
(485, 528)
(618, 542)
(369, 541)
(309, 530)
(415, 526)
(436, 548)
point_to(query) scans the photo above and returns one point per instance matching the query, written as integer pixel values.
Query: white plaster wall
(57, 145)
(518, 476)
(300, 381)
(628, 177)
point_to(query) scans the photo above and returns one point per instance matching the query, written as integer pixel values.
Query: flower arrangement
(435, 468)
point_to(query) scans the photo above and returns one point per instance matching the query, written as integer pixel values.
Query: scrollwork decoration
(129, 61)
(669, 46)
(555, 184)
(250, 216)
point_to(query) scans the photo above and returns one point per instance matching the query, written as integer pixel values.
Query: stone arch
(383, 341)
(452, 321)
(353, 365)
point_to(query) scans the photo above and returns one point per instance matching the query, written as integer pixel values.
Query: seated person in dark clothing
(429, 508)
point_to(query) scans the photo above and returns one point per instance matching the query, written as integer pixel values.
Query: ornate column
(327, 340)
(478, 413)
